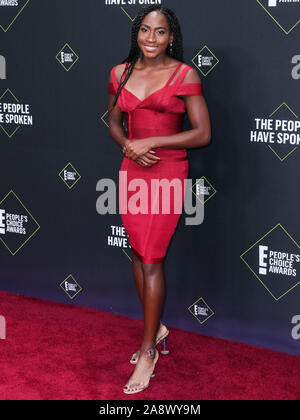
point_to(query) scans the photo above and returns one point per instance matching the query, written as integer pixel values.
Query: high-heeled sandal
(135, 387)
(164, 348)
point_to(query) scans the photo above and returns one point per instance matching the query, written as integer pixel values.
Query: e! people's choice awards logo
(286, 13)
(67, 57)
(200, 310)
(203, 190)
(205, 60)
(17, 225)
(70, 286)
(69, 175)
(275, 261)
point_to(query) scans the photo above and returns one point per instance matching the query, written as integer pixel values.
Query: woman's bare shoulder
(119, 68)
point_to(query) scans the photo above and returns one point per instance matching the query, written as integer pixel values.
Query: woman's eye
(159, 32)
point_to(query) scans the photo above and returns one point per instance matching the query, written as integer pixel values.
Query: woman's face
(154, 35)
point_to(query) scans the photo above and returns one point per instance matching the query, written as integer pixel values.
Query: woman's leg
(153, 298)
(138, 274)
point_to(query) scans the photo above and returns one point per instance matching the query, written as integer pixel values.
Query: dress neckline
(158, 90)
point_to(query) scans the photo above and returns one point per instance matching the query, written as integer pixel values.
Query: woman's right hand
(148, 159)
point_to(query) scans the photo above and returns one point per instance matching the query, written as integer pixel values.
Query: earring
(171, 48)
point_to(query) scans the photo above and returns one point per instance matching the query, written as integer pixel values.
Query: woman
(160, 88)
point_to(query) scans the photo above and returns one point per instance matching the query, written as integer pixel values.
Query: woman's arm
(115, 121)
(199, 135)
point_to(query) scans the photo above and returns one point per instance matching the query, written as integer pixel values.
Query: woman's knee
(151, 269)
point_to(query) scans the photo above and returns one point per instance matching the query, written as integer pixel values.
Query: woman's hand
(140, 151)
(148, 159)
(136, 148)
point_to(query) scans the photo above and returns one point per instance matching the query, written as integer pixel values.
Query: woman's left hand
(136, 148)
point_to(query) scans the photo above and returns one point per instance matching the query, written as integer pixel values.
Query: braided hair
(135, 51)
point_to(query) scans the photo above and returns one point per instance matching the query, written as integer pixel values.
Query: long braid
(135, 52)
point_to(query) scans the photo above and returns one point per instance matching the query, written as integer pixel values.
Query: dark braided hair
(135, 51)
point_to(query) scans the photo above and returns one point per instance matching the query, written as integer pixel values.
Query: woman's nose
(151, 36)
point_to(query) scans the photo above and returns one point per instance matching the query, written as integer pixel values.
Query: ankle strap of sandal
(151, 352)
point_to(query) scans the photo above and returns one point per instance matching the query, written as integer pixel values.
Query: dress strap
(182, 75)
(173, 75)
(189, 89)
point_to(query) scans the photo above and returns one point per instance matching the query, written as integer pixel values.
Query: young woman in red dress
(152, 89)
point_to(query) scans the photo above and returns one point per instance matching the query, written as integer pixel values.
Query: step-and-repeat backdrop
(236, 275)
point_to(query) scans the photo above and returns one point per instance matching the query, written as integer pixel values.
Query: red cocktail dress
(160, 114)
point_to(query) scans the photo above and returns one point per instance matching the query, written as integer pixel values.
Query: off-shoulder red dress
(160, 114)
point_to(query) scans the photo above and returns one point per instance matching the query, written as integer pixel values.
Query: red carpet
(59, 351)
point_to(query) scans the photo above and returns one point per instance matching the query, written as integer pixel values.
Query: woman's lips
(150, 48)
